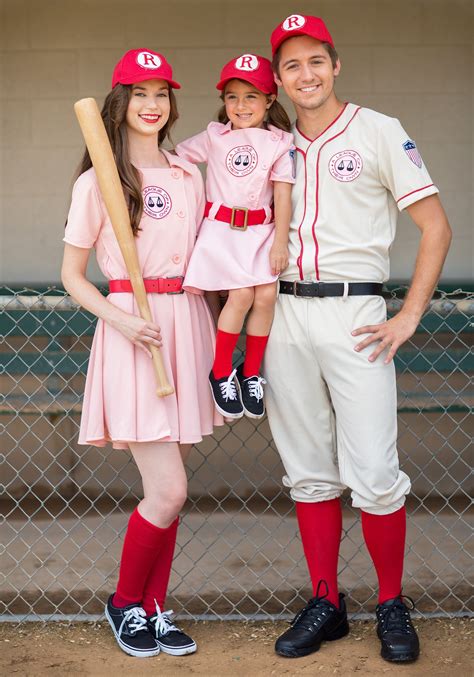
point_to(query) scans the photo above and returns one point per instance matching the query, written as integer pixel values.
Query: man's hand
(393, 333)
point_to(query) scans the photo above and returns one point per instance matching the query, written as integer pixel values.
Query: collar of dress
(225, 128)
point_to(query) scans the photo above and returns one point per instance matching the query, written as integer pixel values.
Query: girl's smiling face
(149, 107)
(245, 105)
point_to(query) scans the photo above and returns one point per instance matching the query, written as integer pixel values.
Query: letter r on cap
(293, 21)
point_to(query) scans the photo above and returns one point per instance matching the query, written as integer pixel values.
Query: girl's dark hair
(276, 115)
(114, 112)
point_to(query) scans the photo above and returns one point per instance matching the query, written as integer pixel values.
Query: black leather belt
(310, 289)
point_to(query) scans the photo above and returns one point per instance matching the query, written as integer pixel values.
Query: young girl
(166, 201)
(242, 244)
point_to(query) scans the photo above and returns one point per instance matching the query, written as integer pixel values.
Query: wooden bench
(46, 340)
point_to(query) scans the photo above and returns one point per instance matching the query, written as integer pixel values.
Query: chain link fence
(65, 507)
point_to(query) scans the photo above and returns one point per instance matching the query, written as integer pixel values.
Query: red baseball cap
(137, 65)
(252, 68)
(297, 24)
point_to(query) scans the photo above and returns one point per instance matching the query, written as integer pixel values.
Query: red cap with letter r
(138, 65)
(252, 68)
(297, 24)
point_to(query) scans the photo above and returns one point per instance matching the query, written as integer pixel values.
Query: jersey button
(176, 258)
(181, 213)
(175, 174)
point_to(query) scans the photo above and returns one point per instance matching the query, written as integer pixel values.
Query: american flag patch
(412, 151)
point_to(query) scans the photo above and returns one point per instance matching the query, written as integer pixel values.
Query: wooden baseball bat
(100, 151)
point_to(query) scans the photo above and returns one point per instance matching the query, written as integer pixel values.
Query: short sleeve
(401, 168)
(284, 167)
(85, 217)
(200, 198)
(195, 149)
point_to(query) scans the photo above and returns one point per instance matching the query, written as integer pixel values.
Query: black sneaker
(318, 621)
(226, 396)
(251, 392)
(395, 630)
(129, 625)
(170, 639)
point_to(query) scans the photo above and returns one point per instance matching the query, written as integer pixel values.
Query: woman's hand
(140, 332)
(278, 258)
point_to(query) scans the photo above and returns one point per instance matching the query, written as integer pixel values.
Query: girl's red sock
(254, 351)
(385, 539)
(157, 582)
(225, 344)
(142, 542)
(321, 528)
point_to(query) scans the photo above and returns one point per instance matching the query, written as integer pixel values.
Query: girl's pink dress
(241, 166)
(120, 401)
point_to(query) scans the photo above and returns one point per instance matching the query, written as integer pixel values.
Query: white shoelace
(135, 619)
(228, 389)
(255, 387)
(162, 621)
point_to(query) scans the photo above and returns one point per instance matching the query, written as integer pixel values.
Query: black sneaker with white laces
(130, 628)
(170, 638)
(397, 635)
(226, 396)
(319, 621)
(251, 393)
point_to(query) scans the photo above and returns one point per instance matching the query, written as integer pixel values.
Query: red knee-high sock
(254, 350)
(321, 528)
(225, 344)
(159, 576)
(385, 539)
(142, 542)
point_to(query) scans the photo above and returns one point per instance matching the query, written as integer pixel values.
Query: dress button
(264, 165)
(252, 196)
(176, 258)
(181, 213)
(274, 137)
(175, 174)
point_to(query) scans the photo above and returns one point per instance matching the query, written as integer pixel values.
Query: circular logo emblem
(156, 202)
(346, 165)
(293, 22)
(148, 60)
(241, 160)
(247, 62)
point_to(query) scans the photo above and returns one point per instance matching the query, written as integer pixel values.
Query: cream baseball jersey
(351, 181)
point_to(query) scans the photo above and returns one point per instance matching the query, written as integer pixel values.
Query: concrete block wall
(411, 59)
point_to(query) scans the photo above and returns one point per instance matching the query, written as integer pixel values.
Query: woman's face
(149, 107)
(245, 105)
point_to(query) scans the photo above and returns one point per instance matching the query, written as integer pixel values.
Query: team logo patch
(293, 22)
(247, 62)
(292, 153)
(241, 160)
(148, 60)
(346, 165)
(156, 202)
(412, 151)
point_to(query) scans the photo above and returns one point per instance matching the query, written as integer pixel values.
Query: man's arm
(430, 217)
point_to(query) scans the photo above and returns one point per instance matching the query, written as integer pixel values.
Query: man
(354, 168)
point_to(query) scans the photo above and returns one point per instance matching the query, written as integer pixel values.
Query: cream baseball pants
(332, 413)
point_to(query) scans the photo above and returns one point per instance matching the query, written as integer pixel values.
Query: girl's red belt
(238, 217)
(159, 285)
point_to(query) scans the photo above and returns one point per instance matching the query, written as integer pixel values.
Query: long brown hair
(276, 115)
(114, 112)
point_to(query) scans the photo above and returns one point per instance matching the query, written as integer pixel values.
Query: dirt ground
(226, 649)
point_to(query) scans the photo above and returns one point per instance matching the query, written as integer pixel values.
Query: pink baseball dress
(120, 401)
(241, 166)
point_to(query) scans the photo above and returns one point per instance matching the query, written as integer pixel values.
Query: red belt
(160, 285)
(238, 217)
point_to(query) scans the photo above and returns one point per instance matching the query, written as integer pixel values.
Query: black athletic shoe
(170, 639)
(395, 630)
(129, 625)
(318, 621)
(251, 392)
(226, 396)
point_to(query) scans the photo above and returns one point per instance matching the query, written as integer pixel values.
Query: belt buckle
(311, 283)
(176, 277)
(232, 218)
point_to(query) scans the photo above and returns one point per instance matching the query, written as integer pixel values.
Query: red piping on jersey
(414, 191)
(316, 266)
(299, 260)
(324, 130)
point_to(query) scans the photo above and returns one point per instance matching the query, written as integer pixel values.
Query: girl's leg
(229, 327)
(258, 327)
(164, 487)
